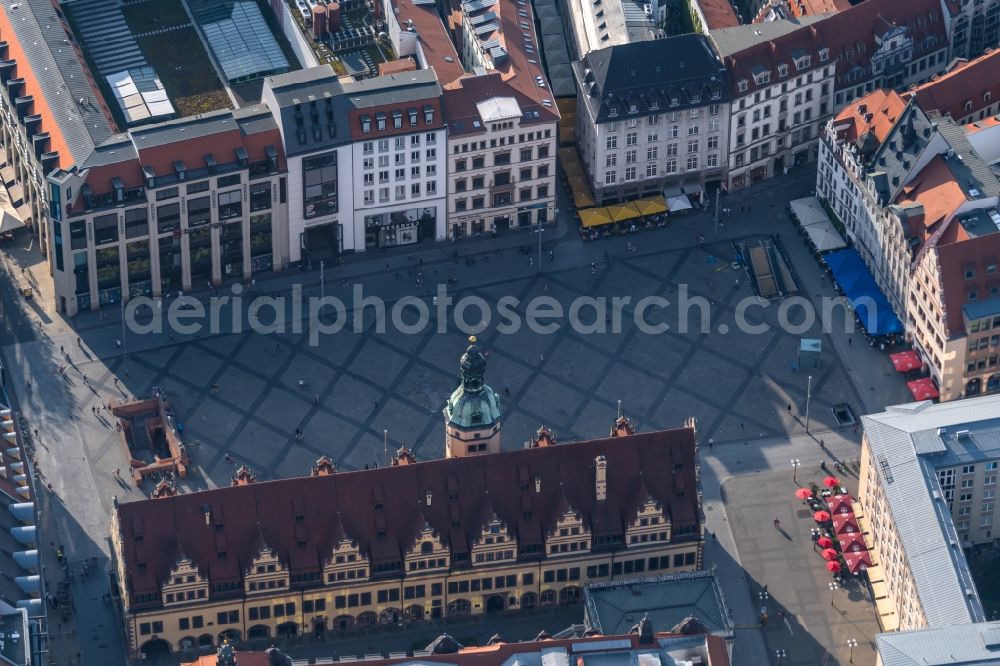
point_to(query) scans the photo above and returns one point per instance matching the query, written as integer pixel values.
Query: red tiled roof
(936, 189)
(800, 8)
(502, 653)
(718, 14)
(461, 98)
(876, 112)
(438, 50)
(743, 64)
(976, 82)
(396, 66)
(850, 34)
(302, 518)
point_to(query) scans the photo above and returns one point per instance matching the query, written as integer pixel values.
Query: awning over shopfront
(570, 161)
(622, 212)
(651, 205)
(594, 217)
(906, 361)
(582, 196)
(679, 203)
(863, 292)
(9, 223)
(813, 218)
(923, 389)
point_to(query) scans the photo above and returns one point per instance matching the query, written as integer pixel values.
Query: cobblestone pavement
(743, 389)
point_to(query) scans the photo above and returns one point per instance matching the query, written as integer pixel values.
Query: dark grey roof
(295, 96)
(118, 148)
(733, 40)
(101, 27)
(897, 157)
(182, 129)
(60, 75)
(255, 119)
(399, 88)
(614, 608)
(970, 170)
(652, 76)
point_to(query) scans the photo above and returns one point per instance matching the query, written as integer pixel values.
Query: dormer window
(802, 62)
(655, 104)
(428, 114)
(633, 108)
(742, 85)
(380, 121)
(413, 117)
(613, 111)
(716, 95)
(782, 69)
(968, 105)
(824, 54)
(986, 97)
(397, 119)
(762, 78)
(366, 124)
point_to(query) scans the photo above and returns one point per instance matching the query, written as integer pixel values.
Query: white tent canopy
(813, 218)
(675, 204)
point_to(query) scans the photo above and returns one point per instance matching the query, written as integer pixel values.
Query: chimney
(601, 478)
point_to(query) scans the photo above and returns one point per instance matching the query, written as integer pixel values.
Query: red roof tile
(802, 8)
(461, 98)
(936, 189)
(154, 532)
(718, 14)
(967, 88)
(876, 112)
(437, 48)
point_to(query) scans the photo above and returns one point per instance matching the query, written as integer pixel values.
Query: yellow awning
(622, 212)
(582, 197)
(572, 168)
(879, 590)
(594, 217)
(568, 154)
(886, 615)
(651, 205)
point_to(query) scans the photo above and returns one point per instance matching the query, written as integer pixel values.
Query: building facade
(652, 115)
(782, 92)
(469, 534)
(975, 27)
(927, 486)
(366, 160)
(501, 158)
(170, 207)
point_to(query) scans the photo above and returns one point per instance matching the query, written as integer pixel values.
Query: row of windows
(368, 147)
(500, 178)
(501, 199)
(428, 189)
(171, 597)
(653, 152)
(499, 159)
(264, 612)
(652, 168)
(399, 174)
(399, 159)
(489, 583)
(521, 138)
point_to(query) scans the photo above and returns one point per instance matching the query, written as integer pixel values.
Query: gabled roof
(73, 111)
(522, 486)
(966, 82)
(466, 99)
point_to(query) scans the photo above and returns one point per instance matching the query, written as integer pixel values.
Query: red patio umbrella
(824, 542)
(833, 567)
(803, 493)
(858, 561)
(831, 482)
(923, 389)
(905, 361)
(840, 504)
(829, 554)
(821, 516)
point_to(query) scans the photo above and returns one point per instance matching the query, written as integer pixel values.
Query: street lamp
(808, 400)
(833, 588)
(780, 655)
(795, 469)
(852, 643)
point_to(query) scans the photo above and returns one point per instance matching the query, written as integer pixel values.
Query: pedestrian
(789, 408)
(116, 381)
(229, 458)
(118, 472)
(711, 442)
(376, 405)
(741, 425)
(506, 392)
(850, 341)
(317, 399)
(62, 349)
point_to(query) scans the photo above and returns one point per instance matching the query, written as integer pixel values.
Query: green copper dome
(473, 405)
